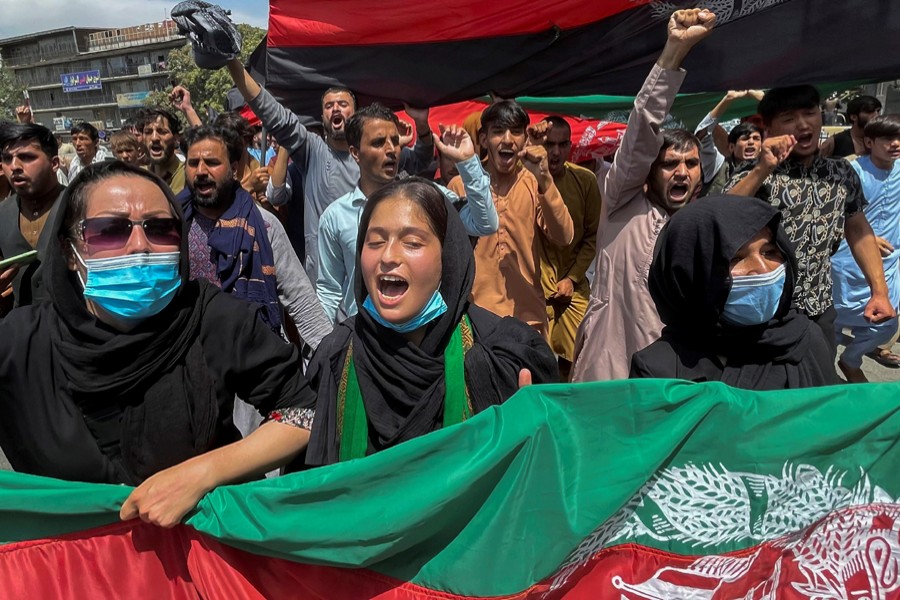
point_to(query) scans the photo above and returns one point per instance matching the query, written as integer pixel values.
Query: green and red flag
(628, 490)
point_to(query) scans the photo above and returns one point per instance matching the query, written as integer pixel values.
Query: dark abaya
(402, 384)
(690, 279)
(82, 401)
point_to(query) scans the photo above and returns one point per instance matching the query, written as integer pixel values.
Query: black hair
(90, 176)
(558, 122)
(19, 132)
(507, 114)
(372, 112)
(339, 90)
(679, 139)
(884, 126)
(782, 99)
(138, 120)
(422, 192)
(238, 124)
(152, 114)
(233, 144)
(85, 127)
(862, 104)
(746, 128)
(129, 123)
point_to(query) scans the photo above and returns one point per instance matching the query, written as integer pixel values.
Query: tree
(10, 94)
(208, 88)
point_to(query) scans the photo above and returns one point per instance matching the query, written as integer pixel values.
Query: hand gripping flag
(626, 490)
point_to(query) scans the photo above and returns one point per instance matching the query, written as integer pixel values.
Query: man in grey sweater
(329, 171)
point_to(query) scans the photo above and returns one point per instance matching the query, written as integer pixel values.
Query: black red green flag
(627, 490)
(433, 53)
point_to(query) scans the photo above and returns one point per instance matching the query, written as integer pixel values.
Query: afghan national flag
(433, 53)
(619, 490)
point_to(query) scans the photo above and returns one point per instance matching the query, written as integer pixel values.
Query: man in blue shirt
(880, 176)
(373, 136)
(326, 165)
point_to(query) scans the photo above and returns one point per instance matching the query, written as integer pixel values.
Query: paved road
(872, 369)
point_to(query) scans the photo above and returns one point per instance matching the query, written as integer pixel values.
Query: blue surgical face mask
(431, 311)
(754, 299)
(132, 287)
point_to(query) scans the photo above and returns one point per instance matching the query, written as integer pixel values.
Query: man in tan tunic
(563, 267)
(652, 176)
(507, 279)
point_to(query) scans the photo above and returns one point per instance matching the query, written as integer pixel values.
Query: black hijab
(690, 279)
(402, 384)
(85, 402)
(95, 357)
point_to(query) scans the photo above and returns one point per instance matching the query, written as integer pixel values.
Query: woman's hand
(524, 378)
(165, 498)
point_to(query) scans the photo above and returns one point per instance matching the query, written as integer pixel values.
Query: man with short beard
(161, 131)
(653, 175)
(563, 268)
(328, 170)
(851, 142)
(28, 155)
(226, 245)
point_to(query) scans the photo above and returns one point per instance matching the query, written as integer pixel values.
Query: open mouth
(750, 153)
(805, 139)
(679, 192)
(337, 121)
(391, 287)
(206, 186)
(507, 155)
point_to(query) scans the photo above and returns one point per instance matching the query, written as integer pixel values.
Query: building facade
(102, 76)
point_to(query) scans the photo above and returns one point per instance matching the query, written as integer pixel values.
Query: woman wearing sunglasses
(128, 375)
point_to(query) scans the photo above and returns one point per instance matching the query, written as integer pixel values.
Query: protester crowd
(205, 305)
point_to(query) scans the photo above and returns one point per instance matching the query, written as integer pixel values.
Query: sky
(30, 16)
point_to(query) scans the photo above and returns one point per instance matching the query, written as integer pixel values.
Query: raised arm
(552, 215)
(479, 215)
(284, 125)
(421, 156)
(180, 98)
(711, 154)
(640, 145)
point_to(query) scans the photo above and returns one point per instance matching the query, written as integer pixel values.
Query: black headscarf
(97, 358)
(82, 401)
(690, 280)
(402, 384)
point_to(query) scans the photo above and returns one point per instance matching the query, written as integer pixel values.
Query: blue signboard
(81, 82)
